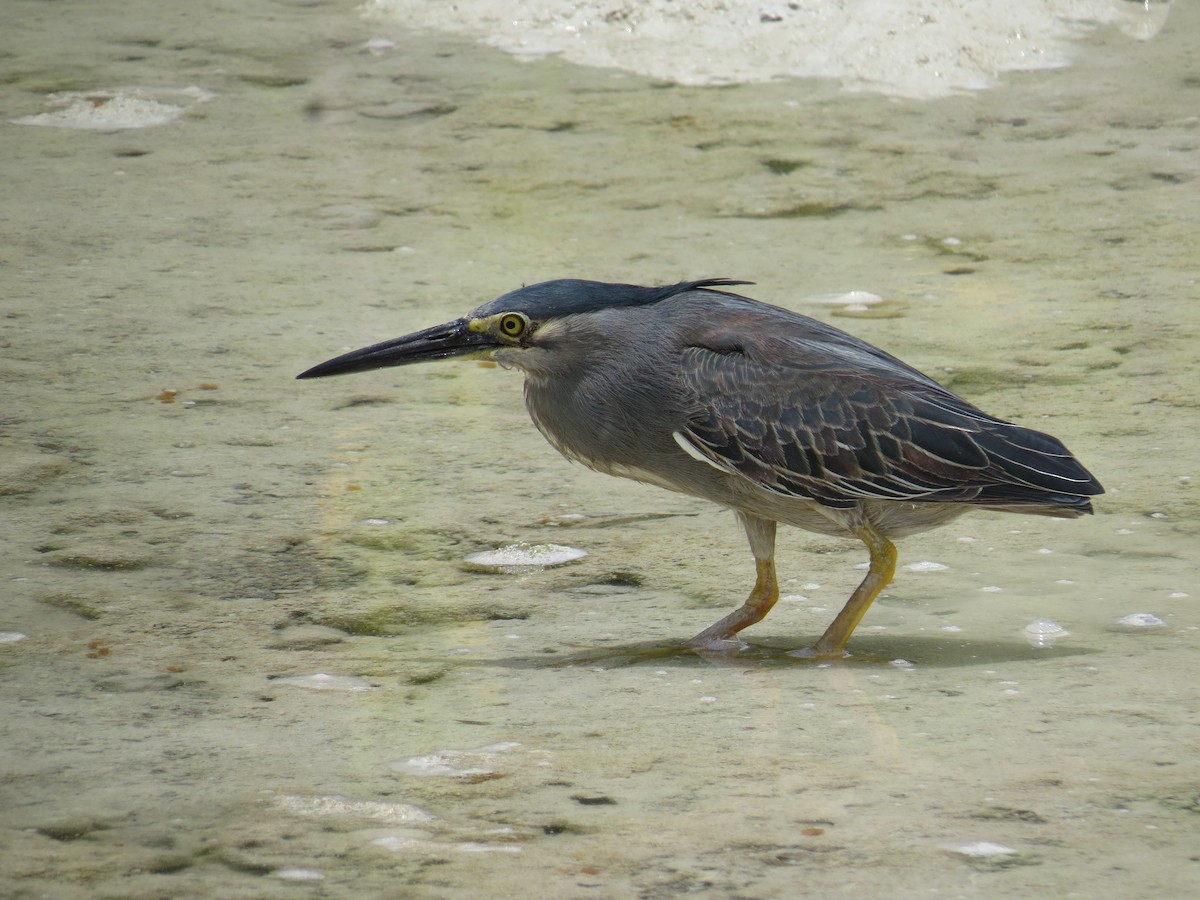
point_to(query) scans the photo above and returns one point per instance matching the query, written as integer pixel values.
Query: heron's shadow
(924, 652)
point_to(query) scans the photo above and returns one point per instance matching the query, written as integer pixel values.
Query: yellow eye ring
(512, 325)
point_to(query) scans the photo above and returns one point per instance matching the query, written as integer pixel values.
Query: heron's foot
(716, 643)
(815, 652)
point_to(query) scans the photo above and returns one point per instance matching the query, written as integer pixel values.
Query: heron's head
(522, 320)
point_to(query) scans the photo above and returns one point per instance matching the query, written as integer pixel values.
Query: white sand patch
(913, 48)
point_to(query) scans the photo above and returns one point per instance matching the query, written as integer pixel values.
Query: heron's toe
(717, 644)
(816, 653)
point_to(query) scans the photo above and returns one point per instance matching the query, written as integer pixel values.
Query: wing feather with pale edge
(842, 422)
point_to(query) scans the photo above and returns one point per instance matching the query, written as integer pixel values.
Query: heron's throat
(533, 361)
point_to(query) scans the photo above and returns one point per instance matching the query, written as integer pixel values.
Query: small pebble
(11, 637)
(903, 664)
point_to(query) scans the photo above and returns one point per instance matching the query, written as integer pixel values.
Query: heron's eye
(512, 325)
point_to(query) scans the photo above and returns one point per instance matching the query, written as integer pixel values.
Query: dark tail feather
(1016, 498)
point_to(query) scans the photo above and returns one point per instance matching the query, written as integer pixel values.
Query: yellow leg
(882, 568)
(720, 636)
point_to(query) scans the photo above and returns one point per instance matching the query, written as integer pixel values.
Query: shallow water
(189, 536)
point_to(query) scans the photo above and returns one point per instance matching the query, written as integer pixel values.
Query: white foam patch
(116, 110)
(519, 559)
(1044, 633)
(323, 682)
(852, 299)
(978, 849)
(376, 810)
(927, 566)
(1137, 621)
(455, 763)
(298, 874)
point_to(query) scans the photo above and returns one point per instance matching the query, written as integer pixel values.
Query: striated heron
(775, 415)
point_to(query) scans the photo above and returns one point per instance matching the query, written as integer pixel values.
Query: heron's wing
(834, 425)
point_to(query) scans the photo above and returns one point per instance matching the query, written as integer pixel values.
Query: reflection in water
(760, 655)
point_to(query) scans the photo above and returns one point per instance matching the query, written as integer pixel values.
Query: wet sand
(190, 536)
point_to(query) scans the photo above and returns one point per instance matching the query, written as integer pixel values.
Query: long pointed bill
(439, 342)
